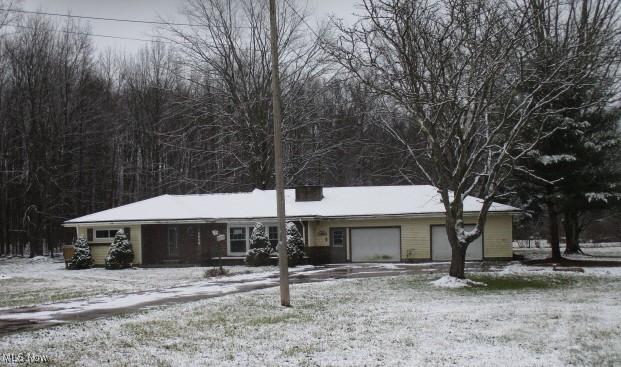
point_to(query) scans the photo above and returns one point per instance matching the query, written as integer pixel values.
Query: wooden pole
(280, 180)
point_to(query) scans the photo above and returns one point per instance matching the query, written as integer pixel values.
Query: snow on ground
(551, 319)
(27, 282)
(516, 268)
(611, 251)
(125, 302)
(448, 281)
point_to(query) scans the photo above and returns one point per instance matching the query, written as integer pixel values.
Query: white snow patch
(62, 309)
(448, 281)
(5, 277)
(556, 158)
(46, 280)
(601, 196)
(604, 272)
(518, 268)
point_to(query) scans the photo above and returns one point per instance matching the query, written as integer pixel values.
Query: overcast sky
(151, 10)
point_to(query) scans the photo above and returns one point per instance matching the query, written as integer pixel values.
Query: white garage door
(375, 244)
(441, 248)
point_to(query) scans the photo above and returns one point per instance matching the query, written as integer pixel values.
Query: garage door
(375, 244)
(441, 248)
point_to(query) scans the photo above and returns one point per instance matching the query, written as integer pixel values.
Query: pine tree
(258, 238)
(82, 258)
(571, 171)
(591, 181)
(120, 254)
(260, 247)
(295, 245)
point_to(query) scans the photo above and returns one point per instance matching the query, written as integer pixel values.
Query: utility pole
(280, 179)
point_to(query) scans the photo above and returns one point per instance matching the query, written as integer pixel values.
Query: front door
(173, 243)
(338, 245)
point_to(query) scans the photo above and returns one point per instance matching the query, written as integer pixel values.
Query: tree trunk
(553, 227)
(572, 233)
(458, 262)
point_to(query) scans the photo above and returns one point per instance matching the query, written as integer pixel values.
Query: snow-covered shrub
(260, 247)
(258, 256)
(82, 258)
(295, 245)
(259, 237)
(120, 254)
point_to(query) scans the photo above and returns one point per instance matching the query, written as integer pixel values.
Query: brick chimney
(309, 193)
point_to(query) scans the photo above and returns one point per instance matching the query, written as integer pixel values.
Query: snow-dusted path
(55, 313)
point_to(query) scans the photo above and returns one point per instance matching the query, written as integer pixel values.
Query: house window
(273, 235)
(338, 238)
(238, 239)
(173, 242)
(105, 234)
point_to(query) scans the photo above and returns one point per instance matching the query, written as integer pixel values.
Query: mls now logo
(15, 358)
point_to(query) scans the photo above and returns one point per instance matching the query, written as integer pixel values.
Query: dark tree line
(81, 131)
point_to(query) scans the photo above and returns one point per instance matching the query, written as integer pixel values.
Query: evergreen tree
(82, 258)
(259, 238)
(295, 245)
(120, 254)
(260, 247)
(591, 181)
(570, 172)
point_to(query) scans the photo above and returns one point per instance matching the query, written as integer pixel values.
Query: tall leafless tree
(228, 55)
(456, 70)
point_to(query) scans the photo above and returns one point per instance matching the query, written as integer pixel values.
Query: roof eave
(251, 219)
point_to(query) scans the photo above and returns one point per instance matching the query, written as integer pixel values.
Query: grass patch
(300, 349)
(273, 319)
(516, 282)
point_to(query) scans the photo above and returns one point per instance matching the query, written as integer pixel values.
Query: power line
(94, 34)
(125, 20)
(302, 18)
(134, 21)
(124, 38)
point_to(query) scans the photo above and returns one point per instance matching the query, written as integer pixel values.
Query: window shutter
(128, 233)
(89, 234)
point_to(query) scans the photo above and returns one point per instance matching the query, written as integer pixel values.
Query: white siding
(416, 234)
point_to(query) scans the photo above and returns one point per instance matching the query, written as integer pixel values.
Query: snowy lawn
(525, 316)
(28, 282)
(611, 252)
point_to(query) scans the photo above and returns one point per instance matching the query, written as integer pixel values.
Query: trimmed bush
(120, 254)
(260, 247)
(82, 258)
(259, 238)
(258, 257)
(295, 245)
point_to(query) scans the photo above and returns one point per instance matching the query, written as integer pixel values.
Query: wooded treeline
(82, 131)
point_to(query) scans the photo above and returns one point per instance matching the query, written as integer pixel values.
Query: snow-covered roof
(359, 201)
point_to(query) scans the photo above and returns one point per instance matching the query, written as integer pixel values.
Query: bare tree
(455, 69)
(227, 54)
